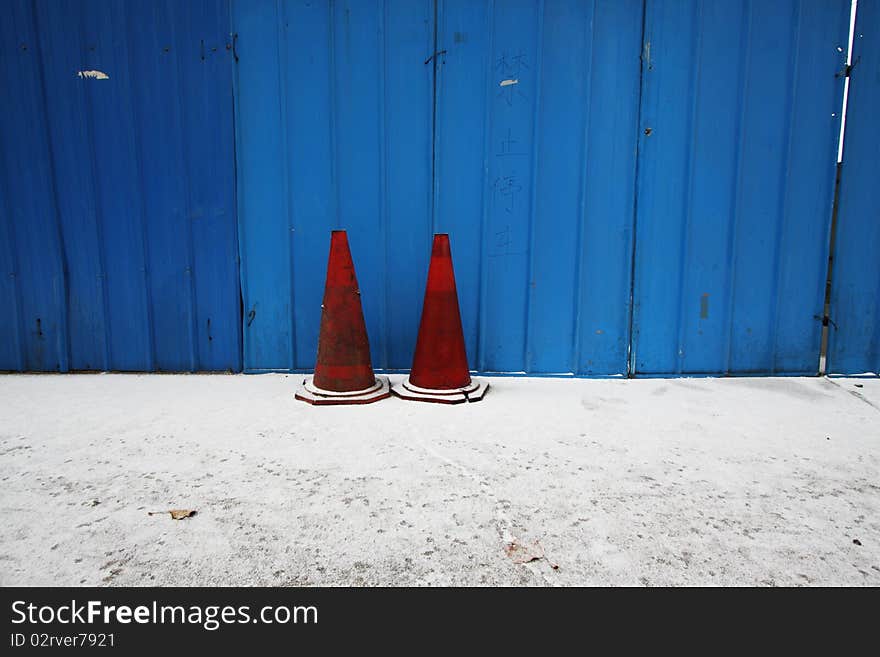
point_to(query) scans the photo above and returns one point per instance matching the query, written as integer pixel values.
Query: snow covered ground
(644, 482)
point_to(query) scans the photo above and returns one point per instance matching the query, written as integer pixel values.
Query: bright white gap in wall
(849, 50)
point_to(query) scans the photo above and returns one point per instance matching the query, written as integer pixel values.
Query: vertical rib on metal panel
(854, 344)
(462, 88)
(530, 282)
(287, 192)
(310, 162)
(12, 350)
(787, 146)
(158, 149)
(745, 49)
(36, 287)
(263, 222)
(408, 126)
(485, 193)
(607, 231)
(69, 130)
(358, 144)
(57, 246)
(578, 282)
(382, 56)
(206, 73)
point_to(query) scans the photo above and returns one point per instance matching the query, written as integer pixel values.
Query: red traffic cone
(343, 371)
(440, 369)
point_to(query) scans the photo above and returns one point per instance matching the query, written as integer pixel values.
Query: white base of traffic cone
(310, 393)
(471, 393)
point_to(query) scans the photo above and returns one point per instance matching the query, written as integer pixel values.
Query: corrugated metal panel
(334, 124)
(534, 180)
(737, 148)
(33, 334)
(120, 211)
(514, 125)
(854, 340)
(536, 133)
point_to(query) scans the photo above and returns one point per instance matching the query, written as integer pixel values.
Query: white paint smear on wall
(96, 75)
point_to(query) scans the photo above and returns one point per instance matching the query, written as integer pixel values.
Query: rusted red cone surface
(440, 369)
(343, 370)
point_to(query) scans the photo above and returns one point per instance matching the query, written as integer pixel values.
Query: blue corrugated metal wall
(738, 142)
(535, 153)
(538, 111)
(533, 180)
(119, 240)
(334, 108)
(34, 326)
(581, 154)
(854, 337)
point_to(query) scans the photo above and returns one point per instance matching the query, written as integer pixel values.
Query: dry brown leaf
(524, 553)
(176, 514)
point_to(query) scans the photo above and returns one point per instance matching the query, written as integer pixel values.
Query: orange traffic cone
(440, 369)
(343, 371)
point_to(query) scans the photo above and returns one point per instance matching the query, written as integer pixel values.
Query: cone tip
(338, 240)
(441, 245)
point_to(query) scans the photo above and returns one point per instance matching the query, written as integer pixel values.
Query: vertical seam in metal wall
(486, 198)
(383, 175)
(16, 264)
(287, 191)
(644, 67)
(685, 235)
(536, 124)
(16, 287)
(15, 274)
(241, 262)
(63, 338)
(8, 222)
(733, 230)
(333, 114)
(434, 196)
(226, 35)
(187, 199)
(141, 210)
(783, 184)
(577, 301)
(825, 339)
(89, 121)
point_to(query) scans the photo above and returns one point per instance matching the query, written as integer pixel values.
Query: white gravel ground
(645, 482)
